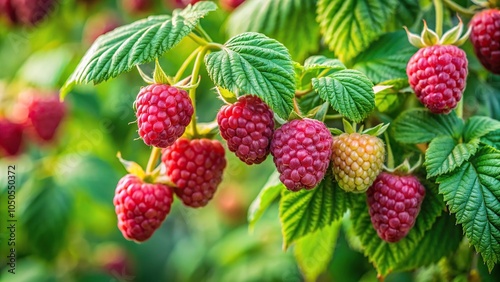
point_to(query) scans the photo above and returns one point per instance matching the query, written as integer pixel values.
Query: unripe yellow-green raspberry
(357, 159)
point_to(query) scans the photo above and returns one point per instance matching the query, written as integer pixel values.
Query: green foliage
(271, 190)
(137, 43)
(419, 126)
(314, 251)
(276, 19)
(478, 126)
(306, 211)
(46, 218)
(492, 139)
(471, 192)
(389, 99)
(348, 91)
(349, 27)
(445, 155)
(252, 63)
(387, 257)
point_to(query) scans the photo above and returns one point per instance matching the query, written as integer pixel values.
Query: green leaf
(390, 99)
(251, 63)
(46, 218)
(349, 92)
(349, 26)
(445, 155)
(140, 42)
(406, 14)
(306, 211)
(428, 252)
(478, 126)
(492, 139)
(472, 193)
(276, 19)
(386, 58)
(387, 256)
(315, 66)
(267, 195)
(419, 126)
(323, 63)
(314, 251)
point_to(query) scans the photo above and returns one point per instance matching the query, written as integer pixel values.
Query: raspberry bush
(330, 107)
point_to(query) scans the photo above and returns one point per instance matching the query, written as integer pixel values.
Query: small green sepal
(131, 167)
(429, 37)
(227, 96)
(377, 130)
(159, 76)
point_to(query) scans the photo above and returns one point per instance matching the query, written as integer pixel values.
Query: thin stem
(300, 93)
(194, 80)
(153, 159)
(438, 5)
(339, 116)
(197, 39)
(204, 33)
(186, 63)
(296, 106)
(390, 155)
(460, 108)
(459, 9)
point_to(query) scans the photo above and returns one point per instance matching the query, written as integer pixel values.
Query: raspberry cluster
(247, 126)
(394, 202)
(485, 37)
(438, 74)
(301, 149)
(357, 159)
(163, 112)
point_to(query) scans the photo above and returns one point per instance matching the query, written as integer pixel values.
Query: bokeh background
(66, 229)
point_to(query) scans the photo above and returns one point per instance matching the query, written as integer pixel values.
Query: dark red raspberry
(182, 3)
(247, 126)
(438, 74)
(230, 4)
(485, 37)
(163, 112)
(45, 114)
(301, 149)
(7, 11)
(31, 12)
(141, 207)
(394, 202)
(11, 136)
(196, 167)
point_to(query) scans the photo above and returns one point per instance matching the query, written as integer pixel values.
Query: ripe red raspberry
(438, 74)
(45, 114)
(247, 126)
(301, 149)
(163, 112)
(141, 207)
(196, 167)
(485, 37)
(31, 12)
(7, 11)
(230, 4)
(11, 135)
(394, 202)
(357, 159)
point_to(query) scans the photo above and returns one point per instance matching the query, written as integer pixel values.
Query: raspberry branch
(185, 64)
(153, 159)
(438, 5)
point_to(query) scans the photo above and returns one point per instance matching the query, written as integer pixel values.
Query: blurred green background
(67, 229)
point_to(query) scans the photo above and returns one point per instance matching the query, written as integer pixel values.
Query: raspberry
(394, 202)
(141, 207)
(163, 112)
(230, 4)
(247, 126)
(196, 167)
(7, 10)
(11, 135)
(357, 160)
(31, 12)
(183, 3)
(485, 37)
(45, 114)
(301, 149)
(438, 74)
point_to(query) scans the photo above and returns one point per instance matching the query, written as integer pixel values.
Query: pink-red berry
(11, 136)
(163, 112)
(394, 202)
(141, 207)
(182, 3)
(247, 126)
(357, 159)
(45, 114)
(438, 75)
(301, 151)
(195, 167)
(230, 4)
(31, 12)
(485, 37)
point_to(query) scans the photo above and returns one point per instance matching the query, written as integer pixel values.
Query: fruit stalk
(153, 159)
(459, 9)
(438, 5)
(194, 80)
(186, 63)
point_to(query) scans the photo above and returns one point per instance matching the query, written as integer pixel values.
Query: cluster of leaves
(462, 161)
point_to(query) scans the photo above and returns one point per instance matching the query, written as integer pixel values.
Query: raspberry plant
(365, 75)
